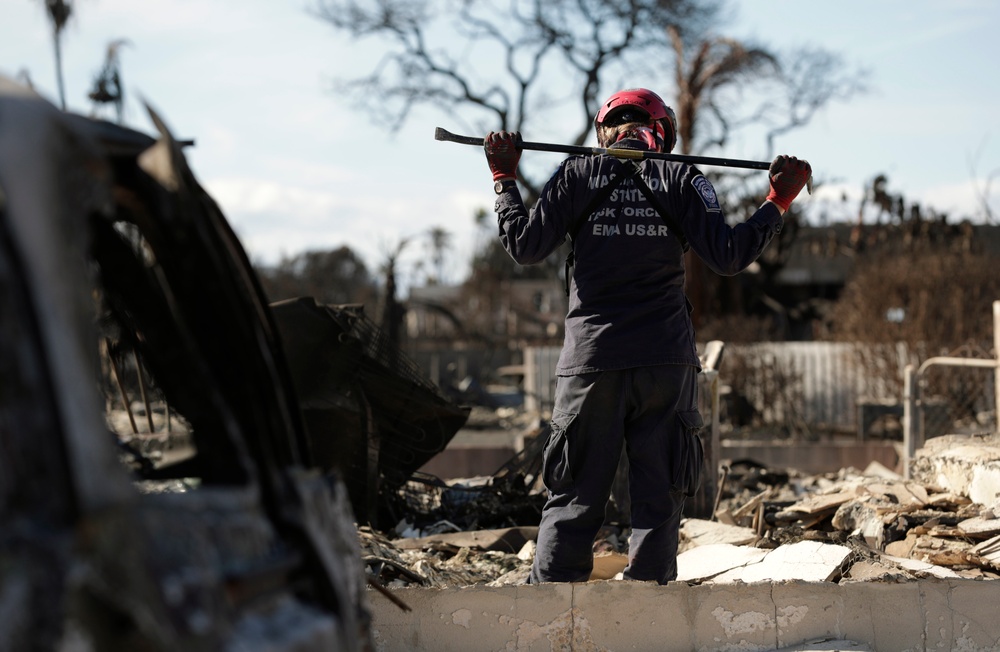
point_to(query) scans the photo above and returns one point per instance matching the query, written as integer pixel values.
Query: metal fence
(952, 394)
(802, 386)
(811, 388)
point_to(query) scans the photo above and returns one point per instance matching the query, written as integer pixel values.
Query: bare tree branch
(812, 79)
(513, 65)
(717, 64)
(983, 191)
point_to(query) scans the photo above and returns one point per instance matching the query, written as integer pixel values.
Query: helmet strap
(660, 131)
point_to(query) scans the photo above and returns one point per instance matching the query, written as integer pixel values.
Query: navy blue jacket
(627, 306)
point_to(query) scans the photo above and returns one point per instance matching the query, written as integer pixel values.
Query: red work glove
(502, 153)
(788, 175)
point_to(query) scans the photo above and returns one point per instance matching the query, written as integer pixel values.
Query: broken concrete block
(872, 571)
(876, 469)
(949, 500)
(920, 567)
(861, 518)
(903, 547)
(699, 532)
(965, 464)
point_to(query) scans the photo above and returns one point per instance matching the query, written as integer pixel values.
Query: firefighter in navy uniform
(627, 372)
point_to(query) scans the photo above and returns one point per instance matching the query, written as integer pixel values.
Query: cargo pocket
(690, 456)
(557, 473)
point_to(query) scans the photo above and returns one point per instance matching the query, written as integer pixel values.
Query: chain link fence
(957, 399)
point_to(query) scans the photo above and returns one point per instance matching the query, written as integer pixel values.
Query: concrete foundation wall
(466, 457)
(616, 615)
(814, 456)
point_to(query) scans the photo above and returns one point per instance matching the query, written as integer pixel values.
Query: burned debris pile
(373, 418)
(107, 236)
(462, 532)
(870, 525)
(511, 497)
(454, 559)
(369, 412)
(901, 526)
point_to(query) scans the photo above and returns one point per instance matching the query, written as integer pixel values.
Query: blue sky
(295, 168)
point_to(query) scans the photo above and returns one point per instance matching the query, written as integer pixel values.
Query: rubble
(770, 525)
(963, 464)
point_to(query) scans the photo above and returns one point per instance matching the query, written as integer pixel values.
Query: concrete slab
(958, 617)
(806, 560)
(955, 614)
(980, 527)
(713, 559)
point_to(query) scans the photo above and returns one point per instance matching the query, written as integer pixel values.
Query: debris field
(769, 525)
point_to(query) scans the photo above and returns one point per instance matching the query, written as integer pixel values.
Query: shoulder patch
(707, 193)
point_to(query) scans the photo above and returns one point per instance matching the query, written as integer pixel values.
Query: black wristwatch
(501, 185)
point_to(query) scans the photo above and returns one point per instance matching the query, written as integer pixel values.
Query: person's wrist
(500, 175)
(501, 184)
(781, 210)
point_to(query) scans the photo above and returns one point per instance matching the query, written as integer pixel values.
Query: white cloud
(959, 200)
(278, 219)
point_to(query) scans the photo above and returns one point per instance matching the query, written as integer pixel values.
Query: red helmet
(647, 101)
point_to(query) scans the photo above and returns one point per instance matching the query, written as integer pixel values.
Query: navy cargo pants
(653, 413)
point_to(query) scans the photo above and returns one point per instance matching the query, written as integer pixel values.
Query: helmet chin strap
(653, 140)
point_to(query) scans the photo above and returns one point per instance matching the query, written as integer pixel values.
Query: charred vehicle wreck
(240, 541)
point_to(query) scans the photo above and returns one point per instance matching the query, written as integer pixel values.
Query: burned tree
(108, 87)
(519, 67)
(523, 55)
(714, 78)
(59, 12)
